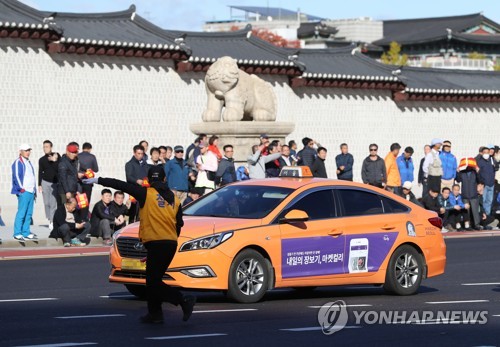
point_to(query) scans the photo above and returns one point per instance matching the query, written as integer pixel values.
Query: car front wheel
(404, 273)
(248, 277)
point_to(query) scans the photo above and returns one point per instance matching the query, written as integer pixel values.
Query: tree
(476, 55)
(273, 38)
(393, 55)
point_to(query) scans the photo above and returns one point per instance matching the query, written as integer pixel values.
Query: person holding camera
(47, 180)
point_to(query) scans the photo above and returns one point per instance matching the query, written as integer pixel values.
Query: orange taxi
(293, 231)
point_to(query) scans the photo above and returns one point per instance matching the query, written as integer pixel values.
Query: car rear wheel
(404, 273)
(137, 290)
(248, 277)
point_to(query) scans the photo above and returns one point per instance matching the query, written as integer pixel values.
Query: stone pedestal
(243, 135)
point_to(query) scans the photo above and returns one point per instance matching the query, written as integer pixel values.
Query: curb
(469, 234)
(40, 243)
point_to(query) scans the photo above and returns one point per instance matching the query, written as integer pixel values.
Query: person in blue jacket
(177, 172)
(405, 165)
(449, 163)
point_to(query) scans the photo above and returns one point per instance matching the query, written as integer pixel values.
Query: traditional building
(113, 79)
(445, 41)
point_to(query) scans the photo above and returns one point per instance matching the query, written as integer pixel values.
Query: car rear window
(238, 201)
(359, 202)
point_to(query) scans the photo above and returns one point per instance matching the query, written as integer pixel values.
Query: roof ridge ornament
(355, 50)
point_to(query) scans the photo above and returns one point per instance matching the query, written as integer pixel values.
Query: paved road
(68, 301)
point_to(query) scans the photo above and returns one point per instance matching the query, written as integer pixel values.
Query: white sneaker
(51, 226)
(19, 238)
(31, 237)
(444, 230)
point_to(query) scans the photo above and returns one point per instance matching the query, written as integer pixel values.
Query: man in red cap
(68, 173)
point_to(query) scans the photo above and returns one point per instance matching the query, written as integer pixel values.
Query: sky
(191, 14)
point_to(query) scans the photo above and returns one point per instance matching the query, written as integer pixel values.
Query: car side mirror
(295, 216)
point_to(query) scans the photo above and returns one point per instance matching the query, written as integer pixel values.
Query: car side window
(359, 203)
(391, 206)
(317, 205)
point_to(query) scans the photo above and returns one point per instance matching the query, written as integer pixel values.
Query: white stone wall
(115, 102)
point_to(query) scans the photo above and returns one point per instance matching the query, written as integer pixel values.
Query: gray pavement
(42, 231)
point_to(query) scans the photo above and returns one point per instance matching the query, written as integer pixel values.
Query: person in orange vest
(393, 177)
(160, 225)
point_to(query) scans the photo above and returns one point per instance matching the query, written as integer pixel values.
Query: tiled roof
(241, 45)
(127, 34)
(15, 15)
(413, 31)
(124, 29)
(441, 81)
(312, 29)
(343, 63)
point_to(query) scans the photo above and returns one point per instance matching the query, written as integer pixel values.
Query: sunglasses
(373, 149)
(179, 151)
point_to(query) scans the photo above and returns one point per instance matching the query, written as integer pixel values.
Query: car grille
(126, 248)
(137, 274)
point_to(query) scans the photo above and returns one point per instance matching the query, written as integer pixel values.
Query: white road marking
(482, 284)
(65, 344)
(319, 328)
(354, 305)
(496, 315)
(235, 310)
(117, 296)
(23, 300)
(182, 336)
(92, 316)
(54, 256)
(456, 302)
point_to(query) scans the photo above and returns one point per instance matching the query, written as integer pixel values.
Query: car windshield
(236, 201)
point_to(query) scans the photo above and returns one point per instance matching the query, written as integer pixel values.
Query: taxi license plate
(133, 264)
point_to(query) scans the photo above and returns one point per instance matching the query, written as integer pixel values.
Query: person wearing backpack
(433, 167)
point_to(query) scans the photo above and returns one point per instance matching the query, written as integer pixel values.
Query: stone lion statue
(240, 95)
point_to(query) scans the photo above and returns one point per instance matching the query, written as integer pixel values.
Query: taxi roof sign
(296, 172)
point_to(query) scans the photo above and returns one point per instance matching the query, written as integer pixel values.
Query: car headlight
(206, 242)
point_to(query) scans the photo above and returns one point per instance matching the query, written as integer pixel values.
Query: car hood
(195, 227)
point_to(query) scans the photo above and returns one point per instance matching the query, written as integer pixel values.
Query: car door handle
(388, 227)
(336, 232)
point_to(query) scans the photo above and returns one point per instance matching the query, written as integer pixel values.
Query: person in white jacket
(206, 164)
(257, 162)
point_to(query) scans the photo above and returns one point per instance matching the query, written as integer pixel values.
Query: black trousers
(434, 183)
(66, 233)
(455, 216)
(160, 255)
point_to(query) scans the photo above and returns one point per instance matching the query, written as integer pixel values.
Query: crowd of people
(464, 193)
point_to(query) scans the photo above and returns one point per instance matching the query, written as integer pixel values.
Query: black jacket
(318, 168)
(421, 173)
(469, 179)
(431, 203)
(346, 160)
(307, 156)
(47, 170)
(68, 175)
(87, 161)
(118, 210)
(140, 193)
(99, 213)
(373, 171)
(226, 172)
(60, 219)
(135, 170)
